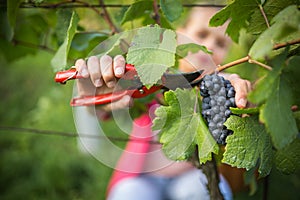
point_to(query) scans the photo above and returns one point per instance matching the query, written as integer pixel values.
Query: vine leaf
(172, 9)
(292, 73)
(257, 23)
(152, 52)
(274, 91)
(59, 61)
(284, 28)
(287, 160)
(239, 11)
(240, 111)
(83, 43)
(183, 49)
(249, 145)
(182, 127)
(137, 10)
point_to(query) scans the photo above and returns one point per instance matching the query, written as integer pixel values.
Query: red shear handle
(64, 76)
(111, 97)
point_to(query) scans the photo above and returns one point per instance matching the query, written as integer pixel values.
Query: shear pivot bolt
(141, 91)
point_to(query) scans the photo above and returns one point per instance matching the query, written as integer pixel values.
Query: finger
(242, 89)
(125, 102)
(94, 70)
(82, 68)
(119, 66)
(107, 71)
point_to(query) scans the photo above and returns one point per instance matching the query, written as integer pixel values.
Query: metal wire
(69, 134)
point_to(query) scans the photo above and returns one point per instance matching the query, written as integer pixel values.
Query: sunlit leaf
(181, 127)
(152, 52)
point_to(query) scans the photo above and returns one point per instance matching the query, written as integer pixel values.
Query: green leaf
(152, 52)
(12, 11)
(182, 127)
(263, 90)
(6, 30)
(83, 43)
(249, 145)
(64, 17)
(183, 49)
(277, 115)
(59, 60)
(137, 10)
(257, 23)
(171, 8)
(292, 74)
(285, 27)
(275, 92)
(240, 111)
(287, 160)
(239, 11)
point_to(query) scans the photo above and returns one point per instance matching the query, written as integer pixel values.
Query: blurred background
(48, 165)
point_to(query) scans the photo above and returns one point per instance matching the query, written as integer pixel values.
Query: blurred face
(197, 30)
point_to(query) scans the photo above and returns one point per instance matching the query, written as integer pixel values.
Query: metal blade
(184, 80)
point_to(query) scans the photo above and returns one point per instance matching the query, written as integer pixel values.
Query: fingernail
(98, 83)
(119, 71)
(110, 84)
(242, 102)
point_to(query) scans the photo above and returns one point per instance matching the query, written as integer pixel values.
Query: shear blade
(184, 80)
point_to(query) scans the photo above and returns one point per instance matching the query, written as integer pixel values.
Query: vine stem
(107, 18)
(281, 45)
(211, 172)
(156, 16)
(240, 61)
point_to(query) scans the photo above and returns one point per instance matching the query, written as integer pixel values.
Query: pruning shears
(130, 85)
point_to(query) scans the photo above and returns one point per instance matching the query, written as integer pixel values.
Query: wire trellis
(70, 134)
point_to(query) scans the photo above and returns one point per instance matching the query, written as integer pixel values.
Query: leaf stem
(264, 15)
(260, 64)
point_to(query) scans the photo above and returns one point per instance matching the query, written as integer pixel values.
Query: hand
(100, 77)
(242, 88)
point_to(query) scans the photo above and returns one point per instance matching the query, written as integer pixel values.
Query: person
(179, 180)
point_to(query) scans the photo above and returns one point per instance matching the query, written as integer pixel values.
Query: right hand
(100, 77)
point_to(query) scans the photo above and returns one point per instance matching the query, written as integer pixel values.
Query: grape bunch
(218, 95)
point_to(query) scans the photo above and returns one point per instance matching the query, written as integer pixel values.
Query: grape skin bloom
(218, 96)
